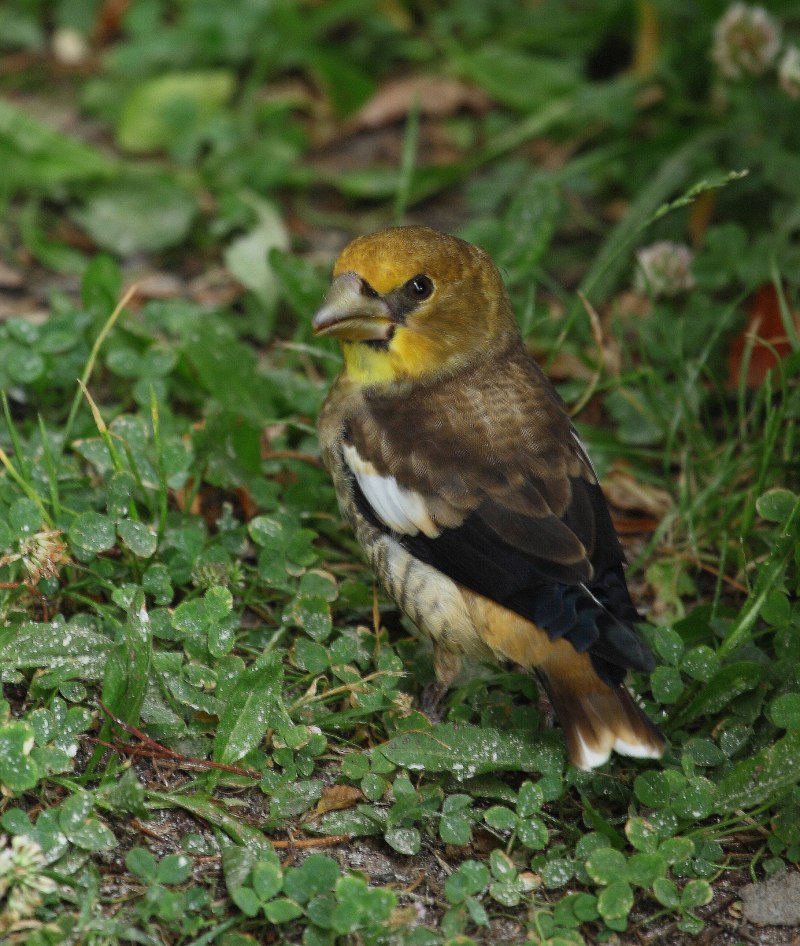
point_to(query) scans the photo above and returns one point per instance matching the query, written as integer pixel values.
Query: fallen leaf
(765, 322)
(638, 525)
(108, 21)
(625, 492)
(438, 97)
(338, 798)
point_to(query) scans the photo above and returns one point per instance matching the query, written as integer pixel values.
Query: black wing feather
(590, 608)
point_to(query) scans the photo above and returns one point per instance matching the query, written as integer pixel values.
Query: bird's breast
(434, 602)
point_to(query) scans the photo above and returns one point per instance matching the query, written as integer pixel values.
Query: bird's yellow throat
(410, 356)
(367, 365)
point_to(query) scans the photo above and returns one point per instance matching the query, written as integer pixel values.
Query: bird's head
(411, 303)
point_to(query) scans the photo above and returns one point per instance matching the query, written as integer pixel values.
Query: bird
(457, 467)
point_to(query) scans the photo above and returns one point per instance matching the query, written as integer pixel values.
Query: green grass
(208, 730)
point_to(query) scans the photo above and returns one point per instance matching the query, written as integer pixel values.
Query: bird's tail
(599, 718)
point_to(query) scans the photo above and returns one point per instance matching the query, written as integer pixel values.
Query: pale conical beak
(350, 315)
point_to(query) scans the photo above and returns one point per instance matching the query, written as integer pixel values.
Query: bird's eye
(420, 287)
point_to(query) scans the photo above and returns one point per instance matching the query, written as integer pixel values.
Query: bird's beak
(350, 315)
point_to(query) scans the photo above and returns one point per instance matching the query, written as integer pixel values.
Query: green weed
(199, 686)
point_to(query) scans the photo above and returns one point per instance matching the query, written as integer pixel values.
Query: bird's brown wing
(484, 478)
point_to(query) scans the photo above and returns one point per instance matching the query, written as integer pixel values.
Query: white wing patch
(399, 509)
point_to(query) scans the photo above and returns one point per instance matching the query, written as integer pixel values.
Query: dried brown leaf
(338, 798)
(764, 323)
(625, 492)
(438, 96)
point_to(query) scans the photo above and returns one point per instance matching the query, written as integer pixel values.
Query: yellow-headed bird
(468, 488)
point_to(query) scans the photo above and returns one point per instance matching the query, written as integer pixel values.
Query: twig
(149, 747)
(165, 756)
(136, 823)
(326, 841)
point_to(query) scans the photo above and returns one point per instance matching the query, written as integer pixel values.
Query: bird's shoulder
(487, 426)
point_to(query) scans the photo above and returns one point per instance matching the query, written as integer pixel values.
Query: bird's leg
(430, 701)
(546, 711)
(545, 704)
(447, 666)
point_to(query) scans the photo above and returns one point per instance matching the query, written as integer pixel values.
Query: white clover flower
(43, 554)
(746, 41)
(404, 703)
(664, 269)
(789, 72)
(69, 47)
(21, 878)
